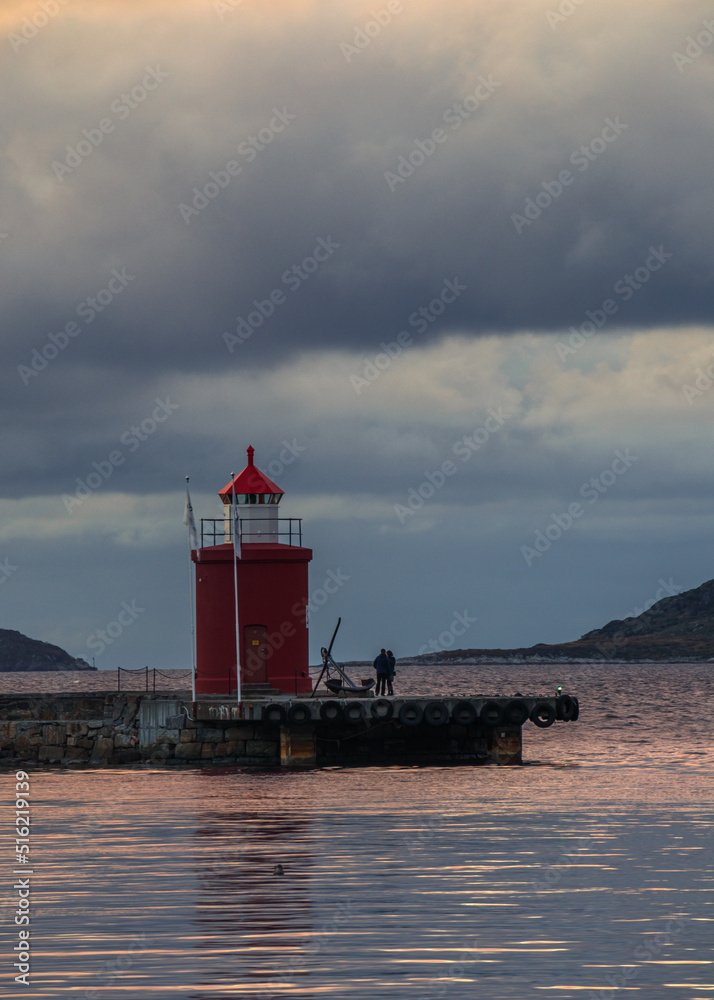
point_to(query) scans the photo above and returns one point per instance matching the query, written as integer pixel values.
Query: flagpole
(236, 539)
(189, 525)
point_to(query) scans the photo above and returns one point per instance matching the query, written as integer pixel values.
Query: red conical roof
(250, 480)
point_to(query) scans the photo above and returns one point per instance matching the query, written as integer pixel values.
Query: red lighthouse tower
(267, 570)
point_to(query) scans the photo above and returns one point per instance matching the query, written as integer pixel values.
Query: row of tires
(492, 713)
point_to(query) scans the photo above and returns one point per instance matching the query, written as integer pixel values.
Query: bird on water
(278, 870)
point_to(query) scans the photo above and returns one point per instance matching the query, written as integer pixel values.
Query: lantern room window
(259, 498)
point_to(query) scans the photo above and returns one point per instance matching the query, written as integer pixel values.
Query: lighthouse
(251, 596)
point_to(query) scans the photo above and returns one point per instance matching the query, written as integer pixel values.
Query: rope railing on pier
(145, 671)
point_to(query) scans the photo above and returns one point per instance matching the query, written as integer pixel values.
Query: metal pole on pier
(236, 556)
(192, 543)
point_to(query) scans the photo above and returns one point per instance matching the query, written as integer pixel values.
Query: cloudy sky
(447, 266)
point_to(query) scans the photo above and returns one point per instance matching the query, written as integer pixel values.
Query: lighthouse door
(255, 654)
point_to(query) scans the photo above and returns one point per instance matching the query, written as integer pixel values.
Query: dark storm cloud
(322, 234)
(329, 171)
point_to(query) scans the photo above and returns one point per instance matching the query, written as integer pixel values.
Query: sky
(446, 266)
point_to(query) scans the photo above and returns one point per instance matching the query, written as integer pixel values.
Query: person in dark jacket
(391, 659)
(381, 665)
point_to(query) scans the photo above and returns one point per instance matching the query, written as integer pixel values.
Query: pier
(121, 728)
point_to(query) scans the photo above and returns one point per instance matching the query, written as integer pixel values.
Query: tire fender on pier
(331, 711)
(464, 713)
(273, 714)
(436, 713)
(565, 708)
(491, 713)
(353, 712)
(381, 709)
(411, 713)
(543, 714)
(516, 712)
(299, 714)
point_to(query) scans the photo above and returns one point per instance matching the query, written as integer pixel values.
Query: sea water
(587, 872)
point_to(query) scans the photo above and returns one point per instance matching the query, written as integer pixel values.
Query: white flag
(236, 526)
(190, 522)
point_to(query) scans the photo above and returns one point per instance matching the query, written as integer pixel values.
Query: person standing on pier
(391, 659)
(381, 665)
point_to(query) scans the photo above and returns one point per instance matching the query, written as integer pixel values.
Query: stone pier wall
(117, 729)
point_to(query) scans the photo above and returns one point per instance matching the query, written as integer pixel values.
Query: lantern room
(251, 593)
(257, 498)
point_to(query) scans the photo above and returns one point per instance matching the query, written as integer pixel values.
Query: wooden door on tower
(255, 654)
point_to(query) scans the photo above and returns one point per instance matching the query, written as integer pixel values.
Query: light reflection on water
(589, 872)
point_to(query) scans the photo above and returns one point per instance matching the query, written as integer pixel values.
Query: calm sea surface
(587, 872)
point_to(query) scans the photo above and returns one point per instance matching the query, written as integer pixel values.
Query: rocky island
(20, 653)
(680, 627)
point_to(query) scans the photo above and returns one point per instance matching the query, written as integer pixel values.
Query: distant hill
(20, 653)
(676, 628)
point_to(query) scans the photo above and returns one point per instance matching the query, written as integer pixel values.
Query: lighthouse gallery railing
(289, 530)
